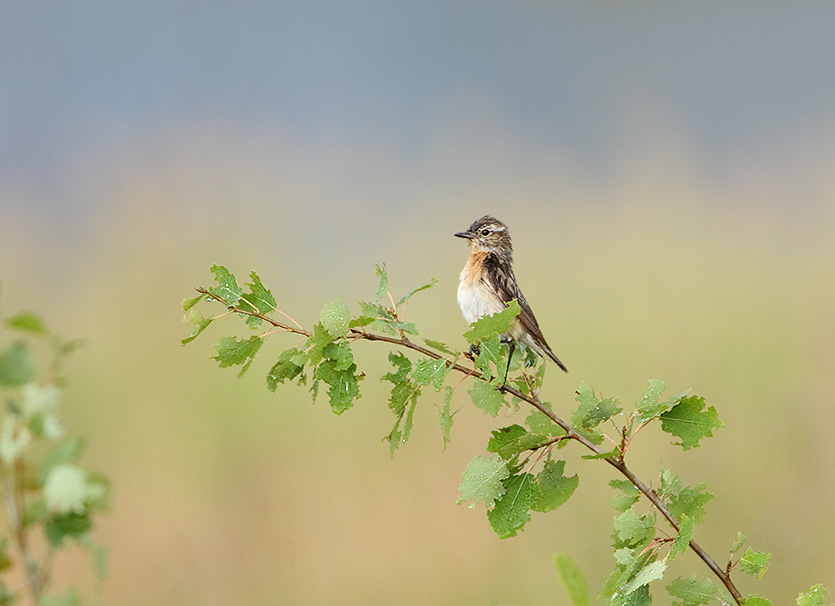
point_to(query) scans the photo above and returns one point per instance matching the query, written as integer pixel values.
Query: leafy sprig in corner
(44, 487)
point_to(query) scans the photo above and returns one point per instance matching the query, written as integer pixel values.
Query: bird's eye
(485, 232)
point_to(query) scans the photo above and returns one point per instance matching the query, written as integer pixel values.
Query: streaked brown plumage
(487, 284)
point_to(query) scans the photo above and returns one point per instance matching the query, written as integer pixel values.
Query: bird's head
(489, 235)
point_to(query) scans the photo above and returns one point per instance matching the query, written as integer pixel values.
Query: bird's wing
(503, 282)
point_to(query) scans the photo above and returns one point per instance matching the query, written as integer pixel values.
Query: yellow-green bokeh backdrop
(659, 265)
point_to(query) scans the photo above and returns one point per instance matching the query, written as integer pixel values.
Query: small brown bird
(487, 285)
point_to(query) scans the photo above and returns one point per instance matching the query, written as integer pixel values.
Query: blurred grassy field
(227, 494)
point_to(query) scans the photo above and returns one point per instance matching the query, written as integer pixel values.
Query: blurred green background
(666, 170)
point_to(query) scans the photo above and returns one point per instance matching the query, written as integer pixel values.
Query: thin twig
(14, 512)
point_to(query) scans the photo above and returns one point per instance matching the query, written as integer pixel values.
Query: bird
(487, 284)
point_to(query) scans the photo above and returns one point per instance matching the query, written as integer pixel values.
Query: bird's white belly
(477, 300)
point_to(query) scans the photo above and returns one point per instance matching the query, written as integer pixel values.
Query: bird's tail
(555, 358)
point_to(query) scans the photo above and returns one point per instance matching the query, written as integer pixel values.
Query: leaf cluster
(42, 482)
(490, 352)
(326, 354)
(519, 474)
(519, 477)
(408, 381)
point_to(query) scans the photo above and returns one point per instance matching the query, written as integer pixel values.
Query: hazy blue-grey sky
(736, 76)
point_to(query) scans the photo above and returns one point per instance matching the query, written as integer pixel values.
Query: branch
(14, 513)
(616, 462)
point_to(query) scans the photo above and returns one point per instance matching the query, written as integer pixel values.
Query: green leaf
(610, 454)
(316, 343)
(407, 424)
(685, 534)
(628, 564)
(63, 527)
(670, 484)
(693, 590)
(512, 510)
(508, 442)
(816, 596)
(431, 371)
(490, 326)
(375, 311)
(227, 288)
(649, 398)
(384, 281)
(627, 558)
(690, 502)
(647, 574)
(407, 327)
(336, 318)
(394, 439)
(403, 366)
(650, 406)
(403, 402)
(340, 353)
(200, 323)
(17, 365)
(754, 563)
(383, 326)
(36, 512)
(688, 421)
(574, 583)
(539, 423)
(69, 598)
(28, 322)
(401, 393)
(639, 597)
(445, 416)
(630, 496)
(188, 303)
(482, 481)
(632, 530)
(100, 561)
(343, 384)
(739, 541)
(491, 351)
(378, 318)
(592, 412)
(439, 346)
(287, 367)
(486, 397)
(231, 352)
(406, 297)
(554, 487)
(259, 298)
(625, 486)
(755, 600)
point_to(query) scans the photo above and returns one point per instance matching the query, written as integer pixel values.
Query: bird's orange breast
(475, 296)
(474, 268)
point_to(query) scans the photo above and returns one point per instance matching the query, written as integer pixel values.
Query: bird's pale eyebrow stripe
(499, 228)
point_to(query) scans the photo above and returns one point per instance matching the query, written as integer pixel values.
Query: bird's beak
(465, 234)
